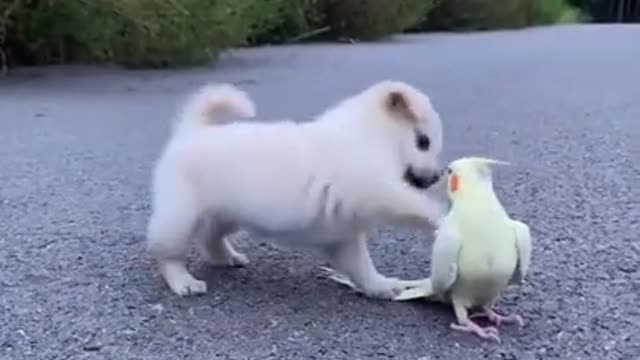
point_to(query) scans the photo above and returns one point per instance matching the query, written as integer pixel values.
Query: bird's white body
(485, 266)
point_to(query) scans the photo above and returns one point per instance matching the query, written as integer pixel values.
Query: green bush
(296, 18)
(554, 11)
(148, 33)
(160, 33)
(468, 15)
(373, 19)
(335, 19)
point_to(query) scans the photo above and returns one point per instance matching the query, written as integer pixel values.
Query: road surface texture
(78, 143)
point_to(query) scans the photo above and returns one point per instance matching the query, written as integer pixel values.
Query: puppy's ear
(398, 103)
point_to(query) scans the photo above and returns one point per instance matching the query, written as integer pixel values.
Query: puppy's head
(415, 128)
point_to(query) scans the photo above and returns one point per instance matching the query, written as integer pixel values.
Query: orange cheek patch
(454, 183)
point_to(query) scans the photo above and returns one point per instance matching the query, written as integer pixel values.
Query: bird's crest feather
(484, 161)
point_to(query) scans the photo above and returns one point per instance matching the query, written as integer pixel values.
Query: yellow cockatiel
(478, 251)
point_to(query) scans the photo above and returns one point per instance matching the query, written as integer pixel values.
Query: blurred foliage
(162, 33)
(467, 15)
(130, 32)
(296, 18)
(609, 10)
(373, 19)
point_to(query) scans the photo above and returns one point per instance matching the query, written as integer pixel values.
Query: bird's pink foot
(487, 333)
(498, 319)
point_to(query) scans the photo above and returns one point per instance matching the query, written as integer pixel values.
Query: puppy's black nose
(421, 182)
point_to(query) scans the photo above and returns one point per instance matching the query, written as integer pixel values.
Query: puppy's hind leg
(168, 239)
(352, 259)
(215, 246)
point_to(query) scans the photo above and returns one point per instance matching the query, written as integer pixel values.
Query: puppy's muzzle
(422, 182)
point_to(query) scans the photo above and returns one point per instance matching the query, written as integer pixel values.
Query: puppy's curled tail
(214, 104)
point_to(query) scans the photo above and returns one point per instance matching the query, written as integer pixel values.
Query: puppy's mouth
(420, 182)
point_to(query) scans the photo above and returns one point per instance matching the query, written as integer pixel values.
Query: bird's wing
(444, 258)
(523, 246)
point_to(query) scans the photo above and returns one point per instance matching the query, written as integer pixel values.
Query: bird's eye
(422, 142)
(449, 171)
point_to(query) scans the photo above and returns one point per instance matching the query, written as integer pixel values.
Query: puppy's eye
(423, 142)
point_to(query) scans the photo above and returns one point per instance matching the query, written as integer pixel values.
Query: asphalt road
(77, 145)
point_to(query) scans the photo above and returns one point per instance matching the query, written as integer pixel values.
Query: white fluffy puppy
(322, 183)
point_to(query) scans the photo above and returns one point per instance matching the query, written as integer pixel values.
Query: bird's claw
(498, 319)
(486, 333)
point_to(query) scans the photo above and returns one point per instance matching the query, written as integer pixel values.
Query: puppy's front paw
(381, 288)
(187, 286)
(239, 259)
(230, 258)
(388, 288)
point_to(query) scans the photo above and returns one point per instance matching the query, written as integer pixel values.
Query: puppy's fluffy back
(213, 105)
